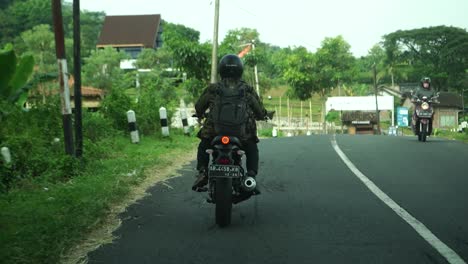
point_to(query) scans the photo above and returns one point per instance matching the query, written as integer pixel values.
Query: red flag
(245, 51)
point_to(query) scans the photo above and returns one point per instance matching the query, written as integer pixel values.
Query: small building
(91, 97)
(131, 34)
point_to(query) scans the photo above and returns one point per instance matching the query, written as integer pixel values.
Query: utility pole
(77, 66)
(214, 53)
(255, 69)
(63, 76)
(376, 101)
(463, 103)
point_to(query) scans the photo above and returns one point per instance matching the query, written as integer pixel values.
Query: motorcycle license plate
(224, 171)
(425, 114)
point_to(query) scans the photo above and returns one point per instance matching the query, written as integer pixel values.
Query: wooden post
(214, 53)
(376, 101)
(310, 113)
(63, 76)
(310, 110)
(300, 120)
(280, 109)
(77, 66)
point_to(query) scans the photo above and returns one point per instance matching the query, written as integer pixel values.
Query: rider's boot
(201, 181)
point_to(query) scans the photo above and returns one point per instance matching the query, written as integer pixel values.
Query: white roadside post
(164, 124)
(132, 126)
(274, 132)
(183, 115)
(6, 155)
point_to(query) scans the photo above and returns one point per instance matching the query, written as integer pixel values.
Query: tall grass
(41, 221)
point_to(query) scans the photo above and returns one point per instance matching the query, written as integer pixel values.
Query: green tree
(102, 68)
(194, 59)
(236, 39)
(334, 63)
(299, 73)
(40, 42)
(156, 92)
(150, 59)
(188, 55)
(174, 34)
(24, 15)
(91, 25)
(364, 66)
(439, 52)
(14, 76)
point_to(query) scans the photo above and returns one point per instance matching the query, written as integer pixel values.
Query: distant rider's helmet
(230, 66)
(426, 83)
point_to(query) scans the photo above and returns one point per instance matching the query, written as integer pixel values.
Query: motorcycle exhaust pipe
(249, 184)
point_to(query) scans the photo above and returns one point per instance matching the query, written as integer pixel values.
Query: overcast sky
(306, 23)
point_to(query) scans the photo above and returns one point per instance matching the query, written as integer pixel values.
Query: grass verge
(40, 222)
(452, 135)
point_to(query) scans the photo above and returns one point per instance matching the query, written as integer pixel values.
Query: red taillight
(224, 161)
(225, 140)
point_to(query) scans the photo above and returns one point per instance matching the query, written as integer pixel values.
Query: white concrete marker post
(164, 123)
(274, 133)
(6, 155)
(132, 126)
(183, 115)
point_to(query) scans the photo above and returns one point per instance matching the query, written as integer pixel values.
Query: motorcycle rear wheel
(223, 199)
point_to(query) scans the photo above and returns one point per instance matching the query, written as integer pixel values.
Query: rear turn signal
(225, 140)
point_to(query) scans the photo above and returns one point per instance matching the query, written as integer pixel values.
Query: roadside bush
(155, 93)
(194, 87)
(30, 136)
(115, 106)
(96, 127)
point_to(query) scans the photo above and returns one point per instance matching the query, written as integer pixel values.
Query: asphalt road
(314, 208)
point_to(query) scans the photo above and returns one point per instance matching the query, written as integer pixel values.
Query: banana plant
(14, 76)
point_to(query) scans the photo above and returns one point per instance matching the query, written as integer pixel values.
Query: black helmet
(426, 80)
(230, 66)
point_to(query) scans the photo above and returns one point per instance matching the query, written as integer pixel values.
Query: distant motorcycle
(424, 116)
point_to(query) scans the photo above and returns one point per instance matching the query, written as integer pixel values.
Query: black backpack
(230, 110)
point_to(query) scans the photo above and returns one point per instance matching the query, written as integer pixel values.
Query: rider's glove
(270, 114)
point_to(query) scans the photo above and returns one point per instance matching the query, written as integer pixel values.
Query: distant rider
(425, 89)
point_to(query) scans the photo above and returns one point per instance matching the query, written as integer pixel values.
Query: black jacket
(206, 101)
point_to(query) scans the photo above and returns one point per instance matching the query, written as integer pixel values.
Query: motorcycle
(228, 183)
(424, 116)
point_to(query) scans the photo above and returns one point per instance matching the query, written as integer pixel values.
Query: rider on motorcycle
(230, 69)
(426, 90)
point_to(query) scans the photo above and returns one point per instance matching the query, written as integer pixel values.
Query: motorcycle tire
(424, 132)
(223, 199)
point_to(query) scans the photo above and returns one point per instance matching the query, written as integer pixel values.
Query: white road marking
(450, 255)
